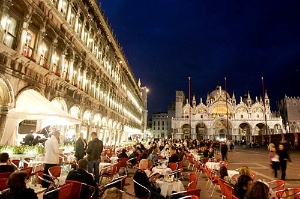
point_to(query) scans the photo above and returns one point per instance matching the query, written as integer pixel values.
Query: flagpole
(190, 110)
(265, 114)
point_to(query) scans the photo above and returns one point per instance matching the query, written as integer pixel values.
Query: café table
(113, 159)
(213, 165)
(167, 187)
(162, 170)
(232, 173)
(103, 164)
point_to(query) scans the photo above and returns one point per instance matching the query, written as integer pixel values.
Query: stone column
(22, 42)
(3, 117)
(50, 55)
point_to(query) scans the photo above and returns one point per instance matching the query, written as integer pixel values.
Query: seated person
(81, 175)
(133, 155)
(173, 155)
(211, 153)
(244, 170)
(112, 193)
(258, 190)
(123, 154)
(244, 182)
(153, 156)
(5, 163)
(141, 177)
(180, 154)
(224, 176)
(17, 187)
(148, 171)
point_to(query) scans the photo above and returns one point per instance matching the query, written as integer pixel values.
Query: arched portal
(222, 129)
(245, 131)
(201, 130)
(186, 130)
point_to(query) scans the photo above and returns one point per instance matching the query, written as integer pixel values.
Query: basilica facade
(65, 51)
(223, 117)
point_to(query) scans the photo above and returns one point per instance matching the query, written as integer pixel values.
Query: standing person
(51, 155)
(224, 151)
(283, 157)
(36, 140)
(80, 147)
(94, 150)
(274, 160)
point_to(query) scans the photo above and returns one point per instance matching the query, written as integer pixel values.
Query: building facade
(223, 117)
(289, 109)
(160, 123)
(65, 50)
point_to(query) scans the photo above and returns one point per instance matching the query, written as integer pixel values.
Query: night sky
(166, 41)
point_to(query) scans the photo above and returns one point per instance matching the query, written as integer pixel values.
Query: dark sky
(166, 41)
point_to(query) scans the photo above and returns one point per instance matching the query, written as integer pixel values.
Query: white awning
(31, 105)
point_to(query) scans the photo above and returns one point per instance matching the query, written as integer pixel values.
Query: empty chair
(193, 179)
(55, 171)
(65, 191)
(123, 164)
(109, 173)
(173, 166)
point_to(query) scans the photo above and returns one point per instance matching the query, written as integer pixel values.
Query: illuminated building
(65, 50)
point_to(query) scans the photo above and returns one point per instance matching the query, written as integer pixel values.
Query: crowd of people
(144, 156)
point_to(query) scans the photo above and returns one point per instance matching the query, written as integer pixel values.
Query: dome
(216, 93)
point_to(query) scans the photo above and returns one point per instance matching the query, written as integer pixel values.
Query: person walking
(283, 158)
(80, 147)
(274, 160)
(51, 155)
(94, 150)
(224, 151)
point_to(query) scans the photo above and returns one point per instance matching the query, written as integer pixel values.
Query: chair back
(228, 190)
(55, 171)
(39, 175)
(65, 191)
(193, 179)
(221, 183)
(3, 184)
(15, 163)
(76, 188)
(173, 166)
(28, 170)
(136, 184)
(204, 160)
(122, 162)
(5, 174)
(123, 182)
(189, 197)
(26, 162)
(194, 192)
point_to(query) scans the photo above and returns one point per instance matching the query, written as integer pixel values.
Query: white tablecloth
(167, 187)
(39, 158)
(232, 173)
(113, 159)
(38, 189)
(162, 171)
(213, 165)
(37, 165)
(163, 161)
(103, 164)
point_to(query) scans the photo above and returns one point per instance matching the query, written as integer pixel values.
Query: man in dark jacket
(80, 147)
(94, 151)
(81, 175)
(224, 151)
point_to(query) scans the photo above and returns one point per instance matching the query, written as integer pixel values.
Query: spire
(233, 96)
(266, 95)
(194, 101)
(139, 82)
